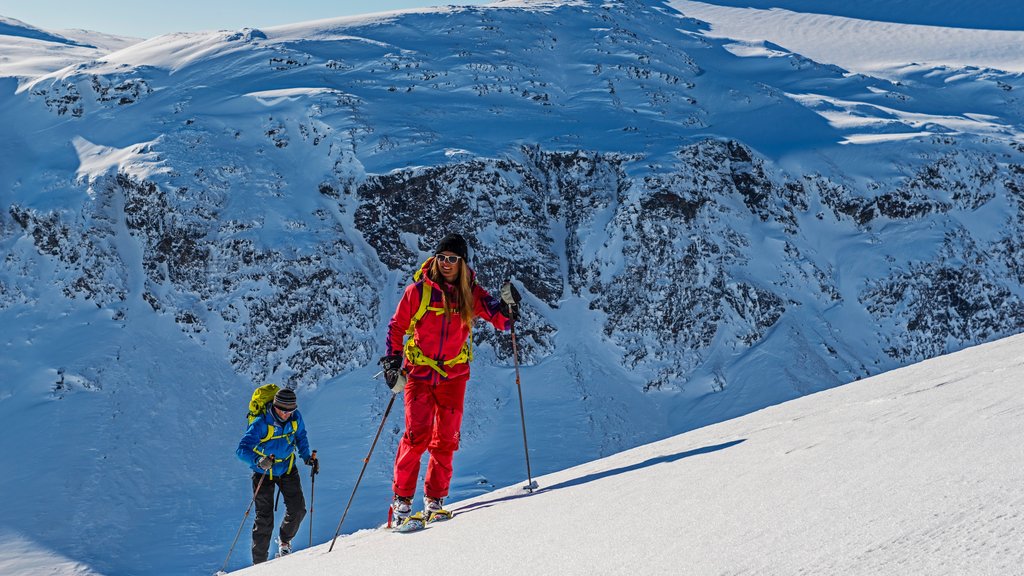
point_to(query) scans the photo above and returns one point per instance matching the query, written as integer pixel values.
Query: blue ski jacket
(267, 435)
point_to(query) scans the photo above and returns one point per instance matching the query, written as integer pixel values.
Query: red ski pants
(433, 417)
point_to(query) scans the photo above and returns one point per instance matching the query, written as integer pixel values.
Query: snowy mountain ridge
(702, 227)
(17, 28)
(27, 52)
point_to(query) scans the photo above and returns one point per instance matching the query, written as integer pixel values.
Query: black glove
(266, 462)
(510, 299)
(393, 377)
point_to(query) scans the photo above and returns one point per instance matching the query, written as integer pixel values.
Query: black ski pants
(295, 511)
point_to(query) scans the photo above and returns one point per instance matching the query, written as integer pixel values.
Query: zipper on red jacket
(444, 330)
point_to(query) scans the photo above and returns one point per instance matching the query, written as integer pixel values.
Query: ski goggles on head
(445, 259)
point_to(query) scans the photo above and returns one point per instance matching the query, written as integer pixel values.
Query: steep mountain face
(739, 224)
(262, 221)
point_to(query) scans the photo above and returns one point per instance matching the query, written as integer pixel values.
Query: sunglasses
(283, 411)
(445, 259)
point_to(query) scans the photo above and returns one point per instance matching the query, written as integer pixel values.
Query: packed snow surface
(916, 471)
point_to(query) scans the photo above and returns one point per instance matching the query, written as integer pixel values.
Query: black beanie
(453, 243)
(285, 399)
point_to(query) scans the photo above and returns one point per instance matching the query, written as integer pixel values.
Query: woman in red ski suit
(436, 312)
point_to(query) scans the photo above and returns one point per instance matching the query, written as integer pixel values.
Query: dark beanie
(285, 399)
(453, 243)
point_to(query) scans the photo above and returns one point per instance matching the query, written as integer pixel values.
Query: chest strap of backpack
(270, 432)
(415, 355)
(291, 442)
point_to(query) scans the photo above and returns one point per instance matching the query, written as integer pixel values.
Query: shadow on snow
(600, 475)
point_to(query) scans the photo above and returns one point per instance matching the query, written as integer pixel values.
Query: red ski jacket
(436, 346)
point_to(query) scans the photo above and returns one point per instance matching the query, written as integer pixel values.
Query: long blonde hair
(462, 285)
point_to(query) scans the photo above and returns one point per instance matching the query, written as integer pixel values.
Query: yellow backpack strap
(270, 432)
(424, 305)
(468, 347)
(465, 355)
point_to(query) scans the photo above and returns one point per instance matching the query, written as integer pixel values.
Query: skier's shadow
(600, 475)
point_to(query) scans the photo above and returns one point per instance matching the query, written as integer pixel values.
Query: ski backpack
(260, 398)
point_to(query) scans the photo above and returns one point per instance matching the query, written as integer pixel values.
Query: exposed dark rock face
(954, 298)
(669, 259)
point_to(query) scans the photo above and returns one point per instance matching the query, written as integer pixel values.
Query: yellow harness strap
(270, 436)
(270, 432)
(413, 352)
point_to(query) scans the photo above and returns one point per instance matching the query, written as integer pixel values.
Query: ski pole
(522, 413)
(365, 462)
(312, 493)
(247, 509)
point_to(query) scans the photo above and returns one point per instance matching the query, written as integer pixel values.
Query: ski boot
(400, 516)
(433, 509)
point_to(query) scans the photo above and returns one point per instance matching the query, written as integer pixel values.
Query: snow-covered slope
(27, 52)
(876, 37)
(703, 227)
(18, 29)
(915, 471)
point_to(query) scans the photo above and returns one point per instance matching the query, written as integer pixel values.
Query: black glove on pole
(393, 377)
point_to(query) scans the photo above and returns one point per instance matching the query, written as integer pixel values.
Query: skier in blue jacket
(269, 448)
